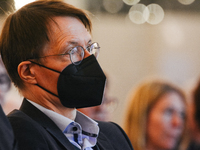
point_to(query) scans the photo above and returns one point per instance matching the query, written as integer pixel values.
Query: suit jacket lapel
(46, 122)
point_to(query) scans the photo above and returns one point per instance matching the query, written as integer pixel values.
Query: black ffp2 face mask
(80, 85)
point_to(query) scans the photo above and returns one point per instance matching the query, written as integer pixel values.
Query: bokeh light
(136, 13)
(113, 6)
(186, 2)
(131, 2)
(20, 3)
(153, 14)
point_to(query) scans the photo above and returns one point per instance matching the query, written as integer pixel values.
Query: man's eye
(73, 50)
(88, 48)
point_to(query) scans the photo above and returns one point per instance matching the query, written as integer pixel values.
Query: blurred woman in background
(156, 117)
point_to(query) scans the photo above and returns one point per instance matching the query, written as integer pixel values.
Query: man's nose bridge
(86, 53)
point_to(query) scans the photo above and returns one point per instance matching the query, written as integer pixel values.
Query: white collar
(87, 124)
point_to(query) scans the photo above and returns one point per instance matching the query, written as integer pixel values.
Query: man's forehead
(66, 25)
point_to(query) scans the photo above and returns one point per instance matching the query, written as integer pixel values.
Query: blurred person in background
(7, 101)
(7, 141)
(156, 116)
(194, 118)
(5, 83)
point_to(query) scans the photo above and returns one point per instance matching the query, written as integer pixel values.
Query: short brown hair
(26, 31)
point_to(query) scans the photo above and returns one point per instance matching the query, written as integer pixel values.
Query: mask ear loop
(47, 90)
(44, 66)
(49, 69)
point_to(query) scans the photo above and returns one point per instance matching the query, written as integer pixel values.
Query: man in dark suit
(47, 49)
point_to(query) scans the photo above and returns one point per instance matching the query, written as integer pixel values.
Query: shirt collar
(88, 125)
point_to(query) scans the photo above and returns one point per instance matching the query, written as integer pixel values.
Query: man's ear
(26, 72)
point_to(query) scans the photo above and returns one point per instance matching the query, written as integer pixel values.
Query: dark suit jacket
(35, 131)
(7, 141)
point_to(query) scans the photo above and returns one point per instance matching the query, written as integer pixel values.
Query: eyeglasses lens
(94, 49)
(76, 55)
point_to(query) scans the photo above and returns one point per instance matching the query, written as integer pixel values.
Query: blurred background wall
(131, 51)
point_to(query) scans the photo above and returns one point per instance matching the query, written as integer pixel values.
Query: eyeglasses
(77, 53)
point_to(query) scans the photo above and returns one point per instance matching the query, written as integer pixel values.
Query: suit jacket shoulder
(113, 135)
(29, 135)
(7, 141)
(33, 130)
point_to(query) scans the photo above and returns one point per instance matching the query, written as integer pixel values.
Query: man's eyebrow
(71, 43)
(75, 43)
